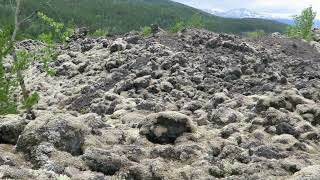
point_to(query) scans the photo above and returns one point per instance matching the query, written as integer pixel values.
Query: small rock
(193, 106)
(224, 116)
(269, 152)
(166, 86)
(132, 119)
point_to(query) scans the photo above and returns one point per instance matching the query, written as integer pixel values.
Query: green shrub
(146, 31)
(59, 32)
(255, 34)
(196, 21)
(179, 26)
(303, 25)
(100, 33)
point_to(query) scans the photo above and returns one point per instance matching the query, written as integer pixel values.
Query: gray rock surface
(197, 105)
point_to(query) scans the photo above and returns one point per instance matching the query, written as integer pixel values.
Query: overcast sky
(267, 6)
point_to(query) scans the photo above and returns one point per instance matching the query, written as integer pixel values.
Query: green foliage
(46, 56)
(9, 80)
(146, 31)
(57, 27)
(179, 26)
(100, 33)
(7, 84)
(196, 21)
(23, 60)
(256, 34)
(5, 45)
(121, 16)
(46, 38)
(59, 32)
(30, 101)
(303, 25)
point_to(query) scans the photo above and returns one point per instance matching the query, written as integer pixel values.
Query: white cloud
(268, 6)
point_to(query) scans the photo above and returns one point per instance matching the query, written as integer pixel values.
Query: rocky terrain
(196, 105)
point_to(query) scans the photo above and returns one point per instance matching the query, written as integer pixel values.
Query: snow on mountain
(214, 11)
(246, 13)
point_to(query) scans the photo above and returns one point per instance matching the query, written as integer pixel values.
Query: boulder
(310, 112)
(118, 45)
(8, 156)
(64, 131)
(310, 172)
(166, 86)
(165, 127)
(193, 106)
(269, 152)
(9, 172)
(132, 119)
(142, 82)
(213, 43)
(11, 126)
(224, 116)
(102, 161)
(75, 173)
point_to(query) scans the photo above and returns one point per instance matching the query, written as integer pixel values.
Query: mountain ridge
(243, 13)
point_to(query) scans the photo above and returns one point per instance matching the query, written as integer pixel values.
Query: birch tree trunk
(14, 51)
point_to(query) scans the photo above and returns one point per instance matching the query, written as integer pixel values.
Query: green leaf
(30, 101)
(23, 60)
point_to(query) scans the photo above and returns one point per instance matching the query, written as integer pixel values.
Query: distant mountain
(245, 13)
(241, 13)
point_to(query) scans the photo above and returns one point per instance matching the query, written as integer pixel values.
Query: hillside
(198, 105)
(120, 16)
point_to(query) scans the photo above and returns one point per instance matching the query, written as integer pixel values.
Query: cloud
(267, 6)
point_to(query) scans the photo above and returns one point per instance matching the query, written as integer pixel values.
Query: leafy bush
(256, 34)
(146, 31)
(179, 26)
(195, 21)
(59, 33)
(100, 33)
(303, 25)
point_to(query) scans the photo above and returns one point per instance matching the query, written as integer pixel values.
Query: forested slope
(120, 16)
